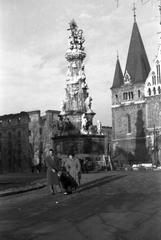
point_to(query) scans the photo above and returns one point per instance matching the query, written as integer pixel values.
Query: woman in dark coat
(52, 163)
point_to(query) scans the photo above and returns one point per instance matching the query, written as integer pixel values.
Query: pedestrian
(52, 163)
(73, 168)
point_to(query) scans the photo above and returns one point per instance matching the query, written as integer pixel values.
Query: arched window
(132, 96)
(154, 91)
(129, 95)
(126, 96)
(123, 96)
(116, 97)
(149, 91)
(128, 123)
(158, 71)
(139, 94)
(153, 78)
(159, 91)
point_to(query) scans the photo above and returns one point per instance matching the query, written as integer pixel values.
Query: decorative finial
(73, 25)
(117, 2)
(117, 55)
(134, 8)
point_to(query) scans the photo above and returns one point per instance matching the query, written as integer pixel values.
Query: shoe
(66, 193)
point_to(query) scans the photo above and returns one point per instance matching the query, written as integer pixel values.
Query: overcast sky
(33, 42)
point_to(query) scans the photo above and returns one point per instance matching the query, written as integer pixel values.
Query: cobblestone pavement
(125, 206)
(21, 183)
(133, 182)
(123, 182)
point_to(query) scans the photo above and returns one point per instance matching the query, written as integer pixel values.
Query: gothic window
(154, 91)
(116, 97)
(127, 78)
(153, 78)
(129, 95)
(128, 123)
(149, 91)
(123, 96)
(158, 71)
(139, 94)
(159, 91)
(132, 95)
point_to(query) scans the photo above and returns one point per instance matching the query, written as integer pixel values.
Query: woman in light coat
(73, 167)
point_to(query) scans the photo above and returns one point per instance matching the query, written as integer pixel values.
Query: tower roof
(137, 64)
(118, 76)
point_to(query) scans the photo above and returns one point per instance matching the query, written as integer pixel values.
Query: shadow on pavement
(99, 182)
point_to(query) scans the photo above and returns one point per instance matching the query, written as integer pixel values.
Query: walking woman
(73, 167)
(52, 163)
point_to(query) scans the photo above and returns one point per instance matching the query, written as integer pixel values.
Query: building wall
(25, 139)
(129, 121)
(13, 141)
(107, 132)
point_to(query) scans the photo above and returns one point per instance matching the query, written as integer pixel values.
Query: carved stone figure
(80, 39)
(88, 104)
(83, 126)
(62, 106)
(99, 127)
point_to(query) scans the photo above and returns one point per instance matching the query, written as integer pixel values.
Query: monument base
(85, 147)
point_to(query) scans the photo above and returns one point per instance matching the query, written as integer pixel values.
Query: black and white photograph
(80, 119)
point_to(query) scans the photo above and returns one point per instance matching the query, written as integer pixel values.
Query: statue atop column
(77, 103)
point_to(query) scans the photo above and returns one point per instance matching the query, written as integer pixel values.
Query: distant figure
(52, 163)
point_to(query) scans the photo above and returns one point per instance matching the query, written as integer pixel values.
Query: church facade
(136, 105)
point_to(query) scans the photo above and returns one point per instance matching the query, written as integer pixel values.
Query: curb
(14, 191)
(83, 187)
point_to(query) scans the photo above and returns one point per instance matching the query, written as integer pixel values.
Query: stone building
(107, 132)
(136, 105)
(25, 138)
(14, 134)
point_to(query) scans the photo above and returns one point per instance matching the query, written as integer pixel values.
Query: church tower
(152, 93)
(128, 101)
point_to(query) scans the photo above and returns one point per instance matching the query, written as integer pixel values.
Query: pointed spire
(118, 76)
(137, 64)
(134, 8)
